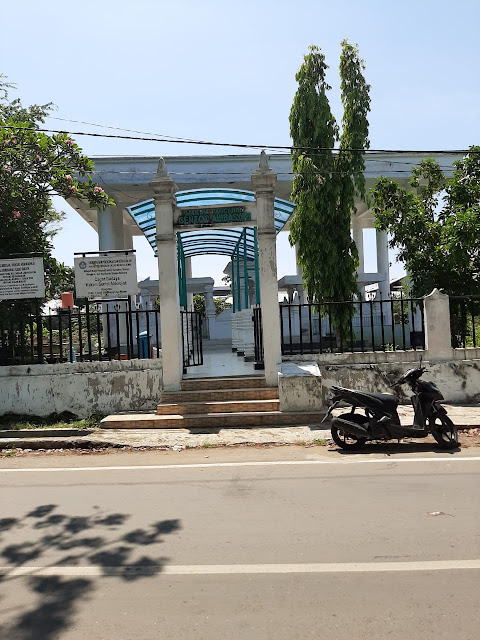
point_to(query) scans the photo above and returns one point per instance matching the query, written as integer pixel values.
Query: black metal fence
(258, 338)
(192, 338)
(465, 321)
(110, 330)
(376, 325)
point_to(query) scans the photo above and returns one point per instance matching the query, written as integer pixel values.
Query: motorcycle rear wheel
(444, 431)
(347, 442)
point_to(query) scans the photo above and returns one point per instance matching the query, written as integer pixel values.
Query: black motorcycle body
(380, 420)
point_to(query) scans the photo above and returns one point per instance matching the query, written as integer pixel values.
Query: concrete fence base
(83, 388)
(306, 385)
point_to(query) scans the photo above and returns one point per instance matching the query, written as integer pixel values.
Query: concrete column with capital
(172, 357)
(264, 181)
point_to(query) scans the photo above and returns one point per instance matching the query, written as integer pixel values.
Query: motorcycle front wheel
(443, 430)
(345, 441)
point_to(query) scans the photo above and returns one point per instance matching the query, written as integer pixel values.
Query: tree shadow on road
(97, 540)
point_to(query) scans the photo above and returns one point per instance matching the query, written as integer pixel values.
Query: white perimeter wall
(306, 385)
(83, 388)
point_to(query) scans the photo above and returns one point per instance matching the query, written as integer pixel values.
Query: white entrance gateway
(171, 219)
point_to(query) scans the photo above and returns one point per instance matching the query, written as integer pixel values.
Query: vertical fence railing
(94, 331)
(258, 338)
(192, 339)
(465, 321)
(352, 326)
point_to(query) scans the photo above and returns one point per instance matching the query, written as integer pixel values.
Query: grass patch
(6, 453)
(208, 445)
(320, 441)
(65, 420)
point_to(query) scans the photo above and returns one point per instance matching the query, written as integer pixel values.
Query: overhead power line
(241, 145)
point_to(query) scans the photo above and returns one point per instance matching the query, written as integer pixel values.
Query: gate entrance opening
(237, 223)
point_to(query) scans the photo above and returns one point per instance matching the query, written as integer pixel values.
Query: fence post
(437, 326)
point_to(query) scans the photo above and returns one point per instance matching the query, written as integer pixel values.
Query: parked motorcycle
(380, 420)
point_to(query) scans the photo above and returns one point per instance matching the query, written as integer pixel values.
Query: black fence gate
(192, 339)
(258, 338)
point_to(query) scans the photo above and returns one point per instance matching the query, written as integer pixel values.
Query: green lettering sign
(208, 217)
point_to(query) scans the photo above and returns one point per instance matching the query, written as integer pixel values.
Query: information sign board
(21, 278)
(106, 276)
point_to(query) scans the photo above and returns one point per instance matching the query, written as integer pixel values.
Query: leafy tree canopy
(35, 166)
(435, 226)
(326, 183)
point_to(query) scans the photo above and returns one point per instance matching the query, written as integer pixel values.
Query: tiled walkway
(219, 361)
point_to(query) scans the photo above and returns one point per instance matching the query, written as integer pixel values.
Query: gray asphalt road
(343, 547)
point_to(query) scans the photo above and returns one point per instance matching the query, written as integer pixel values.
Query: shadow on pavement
(394, 448)
(79, 540)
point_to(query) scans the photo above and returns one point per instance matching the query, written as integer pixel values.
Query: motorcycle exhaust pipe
(350, 427)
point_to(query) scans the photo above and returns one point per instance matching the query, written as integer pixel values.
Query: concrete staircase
(215, 403)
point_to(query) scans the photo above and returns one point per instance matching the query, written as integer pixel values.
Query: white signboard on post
(106, 276)
(21, 278)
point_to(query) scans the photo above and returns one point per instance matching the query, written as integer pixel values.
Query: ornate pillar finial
(162, 169)
(263, 162)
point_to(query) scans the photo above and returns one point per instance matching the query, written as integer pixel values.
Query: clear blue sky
(225, 71)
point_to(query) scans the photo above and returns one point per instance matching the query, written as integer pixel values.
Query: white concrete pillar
(111, 238)
(172, 356)
(358, 239)
(188, 276)
(383, 264)
(264, 181)
(110, 229)
(438, 337)
(299, 273)
(248, 336)
(209, 307)
(127, 236)
(234, 331)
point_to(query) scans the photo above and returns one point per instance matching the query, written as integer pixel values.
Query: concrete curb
(43, 433)
(85, 442)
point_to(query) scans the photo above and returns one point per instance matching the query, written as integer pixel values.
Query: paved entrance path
(124, 546)
(219, 361)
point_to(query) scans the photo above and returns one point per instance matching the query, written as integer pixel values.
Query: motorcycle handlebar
(411, 376)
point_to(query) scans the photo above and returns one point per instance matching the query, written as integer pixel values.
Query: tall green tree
(435, 225)
(35, 166)
(325, 182)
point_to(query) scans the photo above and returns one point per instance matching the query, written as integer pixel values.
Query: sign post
(22, 278)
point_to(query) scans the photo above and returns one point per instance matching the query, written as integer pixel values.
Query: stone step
(230, 406)
(220, 395)
(212, 421)
(239, 382)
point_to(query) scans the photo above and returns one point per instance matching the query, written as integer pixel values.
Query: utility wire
(243, 145)
(106, 126)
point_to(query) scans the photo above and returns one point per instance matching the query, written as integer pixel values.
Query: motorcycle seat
(389, 400)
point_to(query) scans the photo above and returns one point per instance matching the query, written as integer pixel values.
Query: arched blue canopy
(208, 241)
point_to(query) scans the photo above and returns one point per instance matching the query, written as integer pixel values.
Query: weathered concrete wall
(458, 380)
(300, 387)
(82, 388)
(380, 357)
